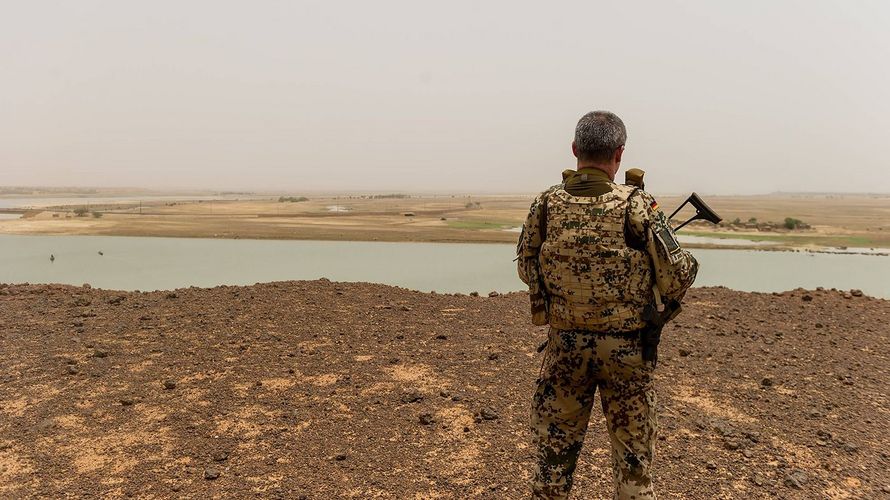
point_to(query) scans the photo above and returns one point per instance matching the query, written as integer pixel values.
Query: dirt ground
(838, 220)
(335, 390)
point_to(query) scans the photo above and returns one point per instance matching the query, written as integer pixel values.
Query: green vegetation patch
(794, 239)
(477, 225)
(292, 199)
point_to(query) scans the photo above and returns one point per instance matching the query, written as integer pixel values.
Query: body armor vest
(593, 279)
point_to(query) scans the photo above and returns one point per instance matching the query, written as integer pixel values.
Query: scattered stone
(796, 479)
(493, 356)
(220, 456)
(684, 352)
(711, 465)
(731, 444)
(856, 292)
(766, 382)
(87, 286)
(427, 419)
(819, 325)
(807, 297)
(116, 300)
(441, 337)
(98, 353)
(488, 414)
(412, 397)
(493, 294)
(851, 448)
(172, 295)
(847, 295)
(71, 370)
(474, 294)
(169, 385)
(211, 473)
(405, 308)
(747, 453)
(340, 457)
(758, 480)
(127, 402)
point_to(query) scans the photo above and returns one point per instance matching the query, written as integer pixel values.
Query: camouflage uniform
(591, 255)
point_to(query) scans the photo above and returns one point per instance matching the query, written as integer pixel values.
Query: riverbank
(850, 221)
(356, 390)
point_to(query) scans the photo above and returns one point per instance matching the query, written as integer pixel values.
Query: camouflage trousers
(576, 363)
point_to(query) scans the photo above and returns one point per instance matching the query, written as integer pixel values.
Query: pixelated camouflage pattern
(592, 278)
(528, 265)
(589, 277)
(576, 364)
(673, 274)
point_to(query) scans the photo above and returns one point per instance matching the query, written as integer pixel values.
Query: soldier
(595, 254)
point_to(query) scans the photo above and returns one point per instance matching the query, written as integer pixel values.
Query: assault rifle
(659, 314)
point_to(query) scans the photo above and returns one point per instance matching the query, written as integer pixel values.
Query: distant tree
(292, 199)
(97, 214)
(752, 220)
(737, 221)
(792, 223)
(81, 211)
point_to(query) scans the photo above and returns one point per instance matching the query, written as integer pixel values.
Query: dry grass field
(836, 220)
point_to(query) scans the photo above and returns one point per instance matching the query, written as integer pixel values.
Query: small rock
(441, 337)
(211, 473)
(488, 414)
(493, 294)
(340, 457)
(807, 297)
(405, 308)
(747, 453)
(493, 356)
(169, 384)
(100, 353)
(466, 429)
(71, 370)
(412, 397)
(731, 445)
(127, 402)
(172, 295)
(819, 325)
(851, 448)
(856, 292)
(684, 352)
(766, 382)
(847, 295)
(711, 465)
(220, 456)
(427, 419)
(796, 479)
(758, 480)
(474, 294)
(87, 286)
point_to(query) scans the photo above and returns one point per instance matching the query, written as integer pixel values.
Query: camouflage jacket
(646, 229)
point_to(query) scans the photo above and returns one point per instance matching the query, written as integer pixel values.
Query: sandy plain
(861, 221)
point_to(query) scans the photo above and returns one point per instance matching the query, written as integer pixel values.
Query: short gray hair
(598, 135)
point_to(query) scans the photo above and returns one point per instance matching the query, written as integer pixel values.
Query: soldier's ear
(574, 149)
(618, 153)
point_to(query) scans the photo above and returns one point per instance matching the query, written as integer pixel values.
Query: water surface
(144, 263)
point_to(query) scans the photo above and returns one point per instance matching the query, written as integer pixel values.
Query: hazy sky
(481, 96)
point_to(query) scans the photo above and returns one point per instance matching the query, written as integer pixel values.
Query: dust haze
(728, 98)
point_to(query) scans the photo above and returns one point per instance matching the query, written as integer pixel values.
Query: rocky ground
(321, 390)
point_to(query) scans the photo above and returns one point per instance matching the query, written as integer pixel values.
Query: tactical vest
(593, 280)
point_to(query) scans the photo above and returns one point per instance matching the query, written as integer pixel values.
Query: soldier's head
(599, 141)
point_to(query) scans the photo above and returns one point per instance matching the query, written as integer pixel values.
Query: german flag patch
(654, 205)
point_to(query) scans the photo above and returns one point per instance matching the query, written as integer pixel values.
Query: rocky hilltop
(323, 390)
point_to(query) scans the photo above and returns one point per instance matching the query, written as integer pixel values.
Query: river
(144, 263)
